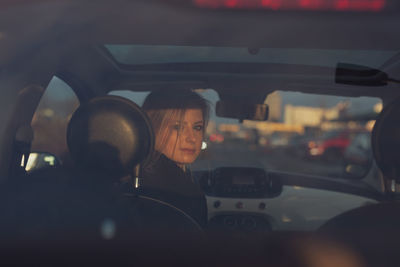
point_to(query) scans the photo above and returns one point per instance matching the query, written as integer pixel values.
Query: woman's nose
(189, 135)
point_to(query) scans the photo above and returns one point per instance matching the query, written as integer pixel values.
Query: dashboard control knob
(217, 204)
(262, 206)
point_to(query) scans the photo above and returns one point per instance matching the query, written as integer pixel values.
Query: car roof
(179, 22)
(75, 32)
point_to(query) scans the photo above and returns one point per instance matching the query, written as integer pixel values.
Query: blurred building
(211, 127)
(274, 102)
(378, 107)
(267, 128)
(312, 116)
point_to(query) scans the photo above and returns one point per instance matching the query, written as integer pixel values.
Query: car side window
(51, 119)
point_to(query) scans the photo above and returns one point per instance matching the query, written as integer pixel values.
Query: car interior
(73, 196)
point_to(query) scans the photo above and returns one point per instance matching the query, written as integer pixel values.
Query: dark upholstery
(74, 203)
(386, 140)
(110, 134)
(373, 230)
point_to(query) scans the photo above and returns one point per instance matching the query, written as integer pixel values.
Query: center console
(237, 198)
(239, 182)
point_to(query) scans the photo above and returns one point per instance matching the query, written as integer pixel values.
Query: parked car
(330, 146)
(359, 151)
(298, 146)
(358, 155)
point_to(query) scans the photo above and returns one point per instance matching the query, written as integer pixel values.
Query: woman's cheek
(200, 143)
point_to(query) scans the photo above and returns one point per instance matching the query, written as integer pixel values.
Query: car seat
(108, 137)
(374, 229)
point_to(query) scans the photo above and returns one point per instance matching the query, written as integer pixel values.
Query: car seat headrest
(110, 134)
(386, 140)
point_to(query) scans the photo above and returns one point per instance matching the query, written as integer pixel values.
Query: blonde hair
(164, 106)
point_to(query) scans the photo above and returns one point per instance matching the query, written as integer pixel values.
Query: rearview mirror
(360, 75)
(242, 111)
(41, 160)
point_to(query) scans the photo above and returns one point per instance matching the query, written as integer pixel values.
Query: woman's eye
(176, 127)
(198, 127)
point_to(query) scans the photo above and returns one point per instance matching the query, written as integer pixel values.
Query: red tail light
(323, 5)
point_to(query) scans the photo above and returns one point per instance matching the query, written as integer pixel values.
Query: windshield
(305, 134)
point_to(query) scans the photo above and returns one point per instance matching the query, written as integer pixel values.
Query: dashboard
(237, 187)
(250, 199)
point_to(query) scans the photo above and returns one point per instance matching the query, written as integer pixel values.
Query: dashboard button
(217, 204)
(262, 206)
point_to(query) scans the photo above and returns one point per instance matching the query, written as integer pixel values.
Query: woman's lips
(188, 151)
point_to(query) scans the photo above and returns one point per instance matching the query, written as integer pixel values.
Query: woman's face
(184, 143)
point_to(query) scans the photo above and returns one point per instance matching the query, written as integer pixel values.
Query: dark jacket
(165, 181)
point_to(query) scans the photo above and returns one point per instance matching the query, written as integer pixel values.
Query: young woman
(179, 120)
